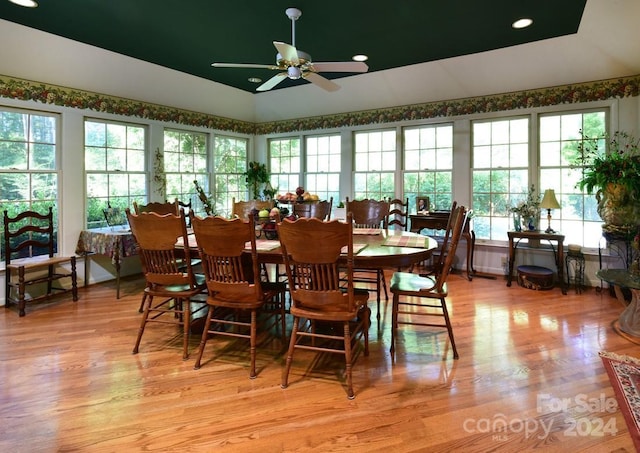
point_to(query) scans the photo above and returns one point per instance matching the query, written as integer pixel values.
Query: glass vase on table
(517, 222)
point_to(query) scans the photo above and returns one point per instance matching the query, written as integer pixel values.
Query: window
(28, 162)
(115, 165)
(185, 160)
(374, 164)
(285, 164)
(560, 136)
(229, 163)
(322, 176)
(428, 165)
(500, 173)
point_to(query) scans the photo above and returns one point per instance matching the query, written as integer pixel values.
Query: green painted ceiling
(189, 35)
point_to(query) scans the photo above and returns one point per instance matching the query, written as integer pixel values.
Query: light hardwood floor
(70, 383)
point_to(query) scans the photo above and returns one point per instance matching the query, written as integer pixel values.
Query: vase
(617, 209)
(531, 224)
(517, 222)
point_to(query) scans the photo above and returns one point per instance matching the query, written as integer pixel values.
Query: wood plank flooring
(528, 362)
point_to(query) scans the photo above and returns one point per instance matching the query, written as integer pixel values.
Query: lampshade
(549, 200)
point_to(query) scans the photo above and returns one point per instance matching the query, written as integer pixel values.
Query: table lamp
(549, 202)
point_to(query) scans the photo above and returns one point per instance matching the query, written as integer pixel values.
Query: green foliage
(619, 164)
(255, 175)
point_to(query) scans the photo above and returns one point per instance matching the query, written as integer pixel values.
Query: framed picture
(422, 204)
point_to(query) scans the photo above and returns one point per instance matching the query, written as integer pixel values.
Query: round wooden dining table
(372, 248)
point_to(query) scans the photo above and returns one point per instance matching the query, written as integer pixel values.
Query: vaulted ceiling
(189, 35)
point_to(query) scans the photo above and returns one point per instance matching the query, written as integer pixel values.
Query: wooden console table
(438, 221)
(516, 236)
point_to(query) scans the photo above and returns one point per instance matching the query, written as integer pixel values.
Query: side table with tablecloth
(113, 242)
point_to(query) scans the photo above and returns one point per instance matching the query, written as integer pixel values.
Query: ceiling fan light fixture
(294, 72)
(25, 3)
(522, 23)
(360, 57)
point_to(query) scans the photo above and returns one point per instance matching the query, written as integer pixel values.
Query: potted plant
(256, 175)
(614, 175)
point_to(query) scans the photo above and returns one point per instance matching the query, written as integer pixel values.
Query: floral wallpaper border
(567, 94)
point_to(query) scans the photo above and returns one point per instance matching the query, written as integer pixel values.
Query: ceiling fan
(297, 64)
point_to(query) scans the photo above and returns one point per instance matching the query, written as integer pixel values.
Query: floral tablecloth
(114, 243)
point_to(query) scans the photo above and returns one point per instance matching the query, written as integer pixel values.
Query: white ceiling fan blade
(344, 66)
(287, 52)
(273, 81)
(243, 65)
(323, 83)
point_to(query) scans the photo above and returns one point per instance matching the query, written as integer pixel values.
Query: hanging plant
(256, 175)
(159, 176)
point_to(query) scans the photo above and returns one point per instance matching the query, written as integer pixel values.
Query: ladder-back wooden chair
(398, 217)
(232, 276)
(373, 214)
(29, 247)
(410, 290)
(317, 298)
(171, 284)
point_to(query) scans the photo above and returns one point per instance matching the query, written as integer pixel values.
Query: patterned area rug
(624, 375)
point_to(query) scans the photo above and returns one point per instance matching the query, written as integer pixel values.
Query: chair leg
(348, 359)
(74, 279)
(381, 281)
(205, 336)
(143, 323)
(185, 304)
(252, 344)
(449, 327)
(144, 298)
(292, 345)
(365, 326)
(21, 291)
(394, 322)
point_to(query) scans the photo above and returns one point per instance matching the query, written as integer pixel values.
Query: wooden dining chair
(318, 209)
(235, 289)
(168, 207)
(29, 247)
(242, 209)
(398, 217)
(410, 290)
(369, 213)
(175, 207)
(326, 317)
(439, 255)
(171, 284)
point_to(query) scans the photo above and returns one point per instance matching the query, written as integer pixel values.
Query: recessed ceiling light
(522, 23)
(359, 58)
(26, 3)
(254, 80)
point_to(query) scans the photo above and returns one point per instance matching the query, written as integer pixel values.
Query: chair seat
(37, 261)
(245, 305)
(407, 283)
(317, 314)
